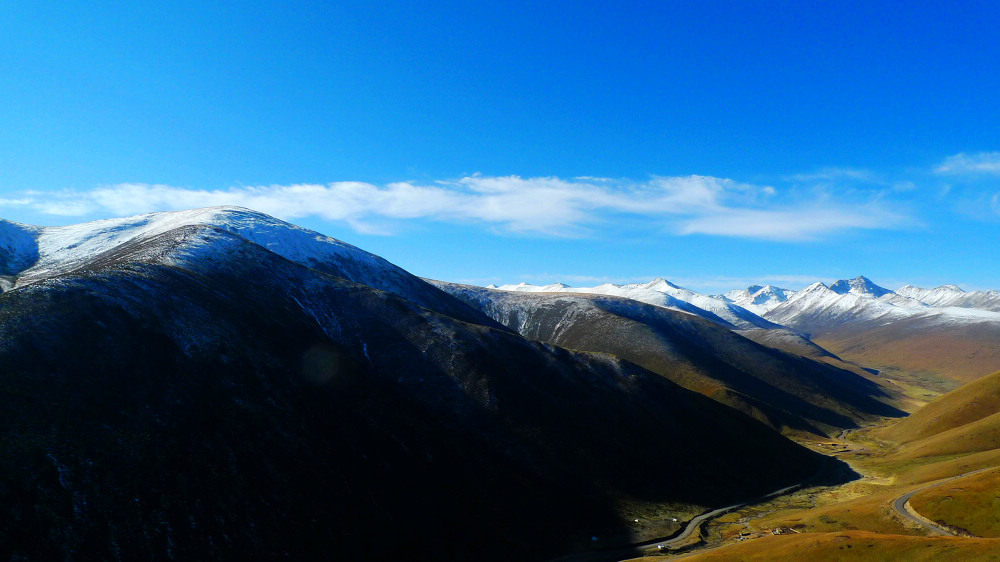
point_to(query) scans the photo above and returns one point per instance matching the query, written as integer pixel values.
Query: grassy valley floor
(857, 520)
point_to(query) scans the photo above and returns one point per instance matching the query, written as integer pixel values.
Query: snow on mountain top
(18, 246)
(758, 299)
(661, 292)
(953, 296)
(661, 284)
(859, 285)
(61, 249)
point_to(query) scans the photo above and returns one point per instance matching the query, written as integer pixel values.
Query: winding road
(634, 550)
(903, 507)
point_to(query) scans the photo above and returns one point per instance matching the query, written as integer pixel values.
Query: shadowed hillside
(193, 395)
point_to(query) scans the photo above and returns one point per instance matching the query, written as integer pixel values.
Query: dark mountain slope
(783, 389)
(31, 253)
(194, 396)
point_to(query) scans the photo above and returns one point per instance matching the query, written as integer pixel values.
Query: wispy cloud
(837, 173)
(803, 223)
(546, 206)
(978, 163)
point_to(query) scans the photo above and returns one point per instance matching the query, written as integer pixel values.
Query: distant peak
(754, 289)
(491, 286)
(952, 288)
(860, 285)
(661, 282)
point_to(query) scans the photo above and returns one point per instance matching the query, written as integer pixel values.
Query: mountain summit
(860, 285)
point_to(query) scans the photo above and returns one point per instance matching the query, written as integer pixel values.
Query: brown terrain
(947, 454)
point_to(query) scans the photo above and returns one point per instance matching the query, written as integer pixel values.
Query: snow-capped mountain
(174, 389)
(757, 299)
(860, 285)
(661, 292)
(819, 308)
(863, 322)
(778, 388)
(952, 295)
(29, 254)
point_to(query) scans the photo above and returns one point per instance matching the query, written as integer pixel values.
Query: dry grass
(944, 468)
(962, 353)
(964, 405)
(978, 436)
(852, 545)
(972, 503)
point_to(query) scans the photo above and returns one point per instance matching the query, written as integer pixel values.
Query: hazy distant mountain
(785, 390)
(952, 295)
(173, 387)
(661, 292)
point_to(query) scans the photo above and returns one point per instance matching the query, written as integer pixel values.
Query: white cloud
(23, 202)
(978, 163)
(791, 224)
(547, 206)
(837, 173)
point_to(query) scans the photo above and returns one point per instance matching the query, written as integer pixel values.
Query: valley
(918, 495)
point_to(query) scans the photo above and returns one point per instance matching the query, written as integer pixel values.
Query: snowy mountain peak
(817, 287)
(860, 285)
(661, 292)
(660, 284)
(770, 293)
(758, 299)
(18, 247)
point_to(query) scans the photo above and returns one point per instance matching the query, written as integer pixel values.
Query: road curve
(634, 550)
(902, 507)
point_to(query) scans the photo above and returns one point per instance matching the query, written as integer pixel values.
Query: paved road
(636, 550)
(900, 505)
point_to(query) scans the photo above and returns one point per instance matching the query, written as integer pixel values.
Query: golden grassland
(961, 354)
(953, 435)
(972, 503)
(853, 546)
(966, 404)
(980, 435)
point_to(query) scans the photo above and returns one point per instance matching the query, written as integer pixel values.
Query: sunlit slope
(875, 327)
(967, 404)
(971, 503)
(960, 352)
(853, 545)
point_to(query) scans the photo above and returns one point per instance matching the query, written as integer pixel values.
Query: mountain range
(218, 384)
(945, 335)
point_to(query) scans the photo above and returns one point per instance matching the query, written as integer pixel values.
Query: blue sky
(711, 143)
